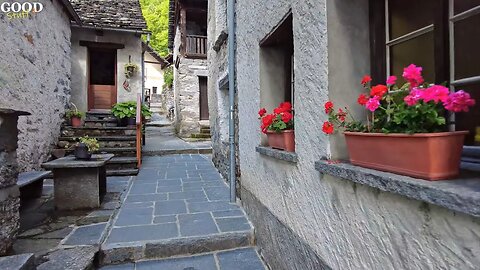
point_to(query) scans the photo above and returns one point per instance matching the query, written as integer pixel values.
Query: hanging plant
(130, 70)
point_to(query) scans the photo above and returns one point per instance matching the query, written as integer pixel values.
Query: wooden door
(204, 114)
(102, 70)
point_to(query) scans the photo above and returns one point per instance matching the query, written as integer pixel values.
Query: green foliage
(128, 109)
(168, 77)
(91, 143)
(156, 16)
(278, 125)
(74, 113)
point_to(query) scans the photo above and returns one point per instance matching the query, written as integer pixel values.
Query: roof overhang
(99, 28)
(71, 12)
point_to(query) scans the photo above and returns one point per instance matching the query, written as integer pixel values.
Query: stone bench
(79, 184)
(31, 184)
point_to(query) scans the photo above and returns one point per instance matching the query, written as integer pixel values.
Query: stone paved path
(162, 141)
(179, 205)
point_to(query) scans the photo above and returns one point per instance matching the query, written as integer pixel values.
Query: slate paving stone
(137, 205)
(210, 206)
(170, 182)
(191, 179)
(143, 189)
(186, 195)
(228, 213)
(170, 208)
(217, 193)
(146, 198)
(233, 224)
(58, 234)
(240, 259)
(200, 185)
(86, 235)
(128, 266)
(143, 233)
(205, 262)
(164, 189)
(134, 216)
(196, 224)
(165, 219)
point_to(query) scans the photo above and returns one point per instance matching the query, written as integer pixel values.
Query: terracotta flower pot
(284, 140)
(430, 156)
(76, 121)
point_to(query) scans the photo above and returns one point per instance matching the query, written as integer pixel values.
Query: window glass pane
(418, 51)
(464, 5)
(467, 47)
(469, 120)
(408, 17)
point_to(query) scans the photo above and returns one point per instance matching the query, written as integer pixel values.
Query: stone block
(240, 259)
(143, 233)
(233, 224)
(170, 207)
(86, 235)
(196, 224)
(18, 262)
(77, 258)
(204, 262)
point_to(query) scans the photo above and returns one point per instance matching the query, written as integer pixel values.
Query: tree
(155, 13)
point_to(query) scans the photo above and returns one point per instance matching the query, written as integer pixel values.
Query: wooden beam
(101, 45)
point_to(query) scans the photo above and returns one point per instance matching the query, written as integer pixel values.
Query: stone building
(188, 42)
(35, 78)
(308, 213)
(154, 69)
(101, 47)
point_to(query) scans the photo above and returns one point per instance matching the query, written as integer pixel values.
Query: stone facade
(218, 95)
(35, 77)
(133, 49)
(307, 220)
(186, 88)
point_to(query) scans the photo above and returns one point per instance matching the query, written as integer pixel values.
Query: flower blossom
(267, 121)
(459, 102)
(366, 79)
(362, 99)
(328, 107)
(436, 93)
(392, 80)
(413, 75)
(262, 112)
(327, 128)
(415, 95)
(286, 117)
(379, 90)
(373, 103)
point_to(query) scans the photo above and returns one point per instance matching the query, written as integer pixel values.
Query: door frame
(200, 78)
(90, 95)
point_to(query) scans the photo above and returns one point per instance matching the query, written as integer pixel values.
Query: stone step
(200, 135)
(98, 131)
(117, 151)
(101, 122)
(205, 130)
(163, 152)
(123, 172)
(109, 141)
(122, 163)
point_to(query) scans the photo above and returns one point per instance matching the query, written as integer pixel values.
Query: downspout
(231, 94)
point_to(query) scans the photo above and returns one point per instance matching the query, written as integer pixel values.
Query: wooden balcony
(196, 46)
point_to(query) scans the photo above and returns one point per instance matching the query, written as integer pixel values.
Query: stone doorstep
(117, 253)
(164, 152)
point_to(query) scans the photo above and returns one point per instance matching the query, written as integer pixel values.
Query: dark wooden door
(102, 86)
(204, 114)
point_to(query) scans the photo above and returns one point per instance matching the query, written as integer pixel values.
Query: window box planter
(283, 140)
(430, 156)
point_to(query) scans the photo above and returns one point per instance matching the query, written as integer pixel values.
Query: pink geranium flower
(436, 93)
(392, 80)
(459, 102)
(373, 103)
(413, 75)
(415, 95)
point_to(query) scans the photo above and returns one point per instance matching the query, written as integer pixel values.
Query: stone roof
(124, 14)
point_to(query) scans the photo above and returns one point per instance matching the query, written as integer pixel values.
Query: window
(276, 65)
(440, 35)
(154, 90)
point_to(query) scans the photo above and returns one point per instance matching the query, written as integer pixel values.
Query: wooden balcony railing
(196, 46)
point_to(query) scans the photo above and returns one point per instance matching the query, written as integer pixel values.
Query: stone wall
(331, 222)
(35, 77)
(187, 91)
(133, 48)
(218, 95)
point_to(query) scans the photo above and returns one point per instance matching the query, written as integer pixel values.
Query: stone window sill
(462, 195)
(277, 154)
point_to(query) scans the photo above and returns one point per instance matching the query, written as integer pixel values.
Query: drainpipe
(231, 94)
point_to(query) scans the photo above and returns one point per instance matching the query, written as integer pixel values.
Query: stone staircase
(120, 141)
(204, 133)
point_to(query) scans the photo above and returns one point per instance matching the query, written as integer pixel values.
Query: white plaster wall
(133, 48)
(35, 77)
(153, 74)
(349, 226)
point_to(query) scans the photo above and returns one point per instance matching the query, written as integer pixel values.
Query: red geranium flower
(362, 99)
(366, 79)
(328, 107)
(286, 117)
(287, 106)
(379, 90)
(341, 115)
(327, 128)
(262, 112)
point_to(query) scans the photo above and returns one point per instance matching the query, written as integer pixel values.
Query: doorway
(102, 86)
(204, 114)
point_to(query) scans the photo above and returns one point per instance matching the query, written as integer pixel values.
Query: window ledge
(277, 154)
(462, 195)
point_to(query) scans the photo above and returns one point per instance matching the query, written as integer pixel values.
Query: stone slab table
(79, 184)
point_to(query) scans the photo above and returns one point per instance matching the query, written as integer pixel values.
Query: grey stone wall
(343, 225)
(35, 77)
(187, 91)
(133, 48)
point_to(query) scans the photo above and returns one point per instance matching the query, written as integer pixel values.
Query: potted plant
(130, 70)
(85, 147)
(278, 127)
(126, 112)
(75, 116)
(405, 130)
